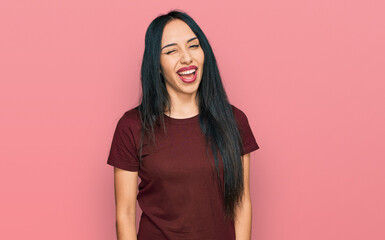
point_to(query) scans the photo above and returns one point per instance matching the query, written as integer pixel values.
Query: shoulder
(130, 119)
(248, 139)
(239, 115)
(132, 114)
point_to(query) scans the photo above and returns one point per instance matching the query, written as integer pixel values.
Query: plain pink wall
(308, 74)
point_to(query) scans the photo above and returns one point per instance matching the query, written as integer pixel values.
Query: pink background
(308, 74)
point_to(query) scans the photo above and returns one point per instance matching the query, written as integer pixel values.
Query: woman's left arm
(242, 221)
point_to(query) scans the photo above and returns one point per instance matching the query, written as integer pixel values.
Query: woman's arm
(125, 200)
(242, 222)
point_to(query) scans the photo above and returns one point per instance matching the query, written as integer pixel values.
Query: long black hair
(216, 117)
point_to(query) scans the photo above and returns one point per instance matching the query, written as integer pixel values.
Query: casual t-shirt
(178, 194)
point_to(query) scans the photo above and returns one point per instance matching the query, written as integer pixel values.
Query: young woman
(188, 144)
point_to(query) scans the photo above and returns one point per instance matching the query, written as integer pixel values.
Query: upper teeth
(187, 72)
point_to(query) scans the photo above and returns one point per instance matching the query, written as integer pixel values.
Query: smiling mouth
(188, 76)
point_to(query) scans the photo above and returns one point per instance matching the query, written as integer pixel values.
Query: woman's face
(180, 48)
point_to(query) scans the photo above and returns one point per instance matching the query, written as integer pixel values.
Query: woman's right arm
(126, 185)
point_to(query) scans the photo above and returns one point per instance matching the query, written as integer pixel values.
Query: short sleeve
(247, 136)
(123, 153)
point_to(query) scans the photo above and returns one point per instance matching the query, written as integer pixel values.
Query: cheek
(201, 57)
(198, 56)
(168, 65)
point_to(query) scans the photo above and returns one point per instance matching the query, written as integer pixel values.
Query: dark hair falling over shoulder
(216, 117)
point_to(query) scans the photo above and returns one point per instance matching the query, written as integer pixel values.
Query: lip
(189, 80)
(187, 68)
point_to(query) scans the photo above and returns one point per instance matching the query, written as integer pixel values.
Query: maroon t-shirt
(177, 193)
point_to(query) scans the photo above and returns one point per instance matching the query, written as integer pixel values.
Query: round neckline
(181, 120)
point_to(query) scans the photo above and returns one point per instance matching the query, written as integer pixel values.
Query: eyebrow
(171, 44)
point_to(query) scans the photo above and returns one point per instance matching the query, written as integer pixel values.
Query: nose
(185, 57)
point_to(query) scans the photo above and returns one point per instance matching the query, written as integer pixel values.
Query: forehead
(176, 31)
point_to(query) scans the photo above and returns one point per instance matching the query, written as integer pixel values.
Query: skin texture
(183, 95)
(126, 185)
(242, 222)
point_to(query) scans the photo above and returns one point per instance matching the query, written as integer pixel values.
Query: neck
(183, 106)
